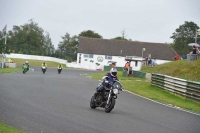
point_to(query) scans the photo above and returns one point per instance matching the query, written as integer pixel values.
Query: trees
(90, 33)
(119, 38)
(183, 36)
(29, 39)
(67, 48)
(48, 46)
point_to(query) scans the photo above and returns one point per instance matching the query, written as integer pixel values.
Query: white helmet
(26, 61)
(113, 72)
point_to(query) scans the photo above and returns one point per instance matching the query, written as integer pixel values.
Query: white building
(94, 53)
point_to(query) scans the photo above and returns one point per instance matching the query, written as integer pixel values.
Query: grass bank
(8, 129)
(20, 62)
(143, 87)
(180, 69)
(9, 70)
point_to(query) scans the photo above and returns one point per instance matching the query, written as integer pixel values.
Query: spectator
(176, 57)
(11, 61)
(146, 61)
(127, 65)
(149, 61)
(195, 50)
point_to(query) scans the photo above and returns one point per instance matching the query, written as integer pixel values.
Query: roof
(125, 48)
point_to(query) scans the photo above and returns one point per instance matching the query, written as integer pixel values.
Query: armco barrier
(124, 73)
(139, 74)
(36, 57)
(107, 68)
(179, 86)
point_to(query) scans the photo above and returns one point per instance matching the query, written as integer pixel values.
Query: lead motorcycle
(106, 98)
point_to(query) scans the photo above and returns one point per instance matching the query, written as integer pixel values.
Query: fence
(179, 86)
(107, 68)
(36, 57)
(192, 57)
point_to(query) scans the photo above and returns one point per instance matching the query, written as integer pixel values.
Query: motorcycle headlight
(115, 91)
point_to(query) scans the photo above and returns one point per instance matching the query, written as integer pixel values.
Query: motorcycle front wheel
(110, 105)
(92, 103)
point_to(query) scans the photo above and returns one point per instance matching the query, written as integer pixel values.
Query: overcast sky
(143, 20)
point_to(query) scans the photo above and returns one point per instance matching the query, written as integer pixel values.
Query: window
(88, 55)
(108, 57)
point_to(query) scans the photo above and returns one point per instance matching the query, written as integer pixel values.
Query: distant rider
(60, 66)
(26, 63)
(44, 64)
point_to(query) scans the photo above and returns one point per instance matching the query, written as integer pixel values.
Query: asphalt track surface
(53, 103)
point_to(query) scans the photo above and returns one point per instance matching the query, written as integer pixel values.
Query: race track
(53, 103)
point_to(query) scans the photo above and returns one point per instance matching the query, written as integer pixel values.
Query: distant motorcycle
(106, 98)
(44, 68)
(59, 70)
(25, 68)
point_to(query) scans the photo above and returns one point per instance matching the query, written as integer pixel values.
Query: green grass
(180, 69)
(19, 62)
(143, 87)
(9, 70)
(8, 129)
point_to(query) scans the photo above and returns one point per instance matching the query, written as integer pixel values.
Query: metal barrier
(124, 73)
(179, 86)
(107, 68)
(192, 57)
(139, 74)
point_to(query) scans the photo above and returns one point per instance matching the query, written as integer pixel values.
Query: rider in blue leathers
(108, 79)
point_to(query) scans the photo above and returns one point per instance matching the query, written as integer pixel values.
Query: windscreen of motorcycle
(117, 85)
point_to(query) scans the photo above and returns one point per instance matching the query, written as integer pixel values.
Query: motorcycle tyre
(112, 105)
(92, 103)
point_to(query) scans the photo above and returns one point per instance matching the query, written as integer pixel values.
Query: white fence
(35, 57)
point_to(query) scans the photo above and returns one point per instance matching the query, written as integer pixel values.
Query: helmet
(113, 72)
(26, 61)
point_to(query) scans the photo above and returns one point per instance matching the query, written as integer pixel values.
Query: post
(143, 49)
(5, 38)
(196, 36)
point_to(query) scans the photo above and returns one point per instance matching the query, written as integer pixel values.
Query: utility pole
(197, 33)
(123, 34)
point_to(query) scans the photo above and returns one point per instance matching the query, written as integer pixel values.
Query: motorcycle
(44, 69)
(59, 70)
(25, 68)
(106, 97)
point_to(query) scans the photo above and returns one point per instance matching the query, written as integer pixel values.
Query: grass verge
(20, 62)
(180, 69)
(9, 70)
(143, 87)
(8, 129)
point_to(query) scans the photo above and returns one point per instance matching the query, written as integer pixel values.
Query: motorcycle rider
(44, 64)
(108, 79)
(26, 63)
(60, 66)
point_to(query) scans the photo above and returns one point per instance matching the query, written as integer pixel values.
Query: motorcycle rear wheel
(110, 105)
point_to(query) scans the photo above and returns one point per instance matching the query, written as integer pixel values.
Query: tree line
(31, 39)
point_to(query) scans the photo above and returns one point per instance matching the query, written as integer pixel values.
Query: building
(95, 53)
